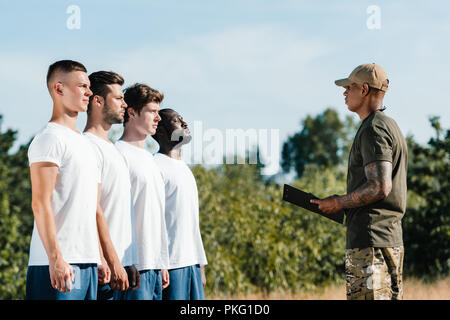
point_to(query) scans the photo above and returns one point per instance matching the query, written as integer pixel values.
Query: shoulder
(121, 153)
(47, 139)
(47, 146)
(121, 149)
(120, 146)
(163, 161)
(135, 158)
(95, 142)
(378, 124)
(160, 158)
(96, 148)
(381, 120)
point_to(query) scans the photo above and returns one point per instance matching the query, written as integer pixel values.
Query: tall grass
(413, 289)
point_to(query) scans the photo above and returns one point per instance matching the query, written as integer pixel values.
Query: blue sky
(232, 64)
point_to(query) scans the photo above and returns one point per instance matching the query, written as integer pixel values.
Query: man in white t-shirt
(65, 176)
(186, 253)
(147, 191)
(115, 226)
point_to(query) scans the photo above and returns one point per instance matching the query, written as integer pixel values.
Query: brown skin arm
(377, 187)
(134, 278)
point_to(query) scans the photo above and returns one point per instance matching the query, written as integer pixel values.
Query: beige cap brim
(343, 82)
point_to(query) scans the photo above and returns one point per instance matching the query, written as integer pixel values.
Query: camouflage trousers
(374, 273)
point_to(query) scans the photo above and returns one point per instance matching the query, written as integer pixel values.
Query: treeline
(253, 240)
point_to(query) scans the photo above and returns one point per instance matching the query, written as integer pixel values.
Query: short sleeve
(376, 145)
(46, 148)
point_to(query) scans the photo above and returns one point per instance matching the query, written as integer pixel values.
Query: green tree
(15, 221)
(324, 140)
(427, 219)
(254, 241)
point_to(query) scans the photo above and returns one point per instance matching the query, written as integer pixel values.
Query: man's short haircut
(164, 114)
(164, 123)
(99, 84)
(65, 66)
(138, 95)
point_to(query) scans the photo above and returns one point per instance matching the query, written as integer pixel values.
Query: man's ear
(131, 113)
(365, 89)
(98, 101)
(58, 88)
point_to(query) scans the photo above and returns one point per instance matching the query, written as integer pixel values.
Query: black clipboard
(301, 199)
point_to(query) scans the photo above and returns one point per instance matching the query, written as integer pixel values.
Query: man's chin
(117, 120)
(183, 140)
(187, 139)
(82, 108)
(350, 108)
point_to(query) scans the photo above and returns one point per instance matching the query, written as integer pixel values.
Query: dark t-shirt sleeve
(376, 145)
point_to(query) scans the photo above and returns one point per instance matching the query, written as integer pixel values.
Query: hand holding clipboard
(302, 199)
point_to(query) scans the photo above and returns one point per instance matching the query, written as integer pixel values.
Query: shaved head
(58, 70)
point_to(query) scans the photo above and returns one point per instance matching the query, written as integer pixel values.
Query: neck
(100, 129)
(133, 136)
(369, 107)
(66, 118)
(363, 114)
(174, 153)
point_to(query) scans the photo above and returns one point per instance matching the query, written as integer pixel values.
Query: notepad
(302, 199)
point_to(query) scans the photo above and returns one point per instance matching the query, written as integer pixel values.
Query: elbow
(37, 207)
(34, 205)
(98, 214)
(385, 190)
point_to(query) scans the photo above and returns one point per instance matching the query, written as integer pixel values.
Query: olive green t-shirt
(379, 224)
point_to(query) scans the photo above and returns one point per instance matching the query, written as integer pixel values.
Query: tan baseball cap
(369, 73)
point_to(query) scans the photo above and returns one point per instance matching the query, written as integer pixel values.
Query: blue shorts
(150, 288)
(185, 284)
(84, 287)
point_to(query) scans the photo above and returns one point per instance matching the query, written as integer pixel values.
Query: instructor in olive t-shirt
(376, 191)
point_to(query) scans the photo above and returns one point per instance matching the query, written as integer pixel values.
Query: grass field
(413, 289)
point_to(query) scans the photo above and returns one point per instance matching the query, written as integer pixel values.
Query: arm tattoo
(377, 187)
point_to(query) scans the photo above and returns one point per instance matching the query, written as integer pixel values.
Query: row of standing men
(112, 220)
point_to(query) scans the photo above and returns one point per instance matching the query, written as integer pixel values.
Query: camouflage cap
(369, 73)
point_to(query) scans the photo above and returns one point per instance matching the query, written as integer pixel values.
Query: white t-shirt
(74, 199)
(115, 199)
(148, 201)
(182, 213)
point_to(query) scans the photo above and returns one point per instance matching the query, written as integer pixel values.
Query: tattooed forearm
(377, 187)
